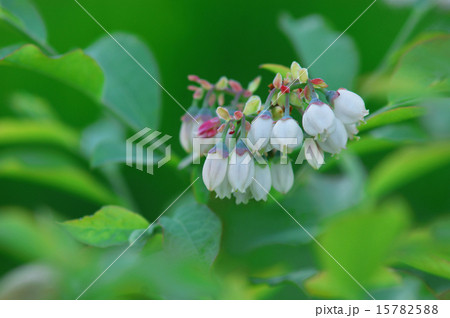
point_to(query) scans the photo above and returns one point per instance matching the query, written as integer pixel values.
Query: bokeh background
(381, 208)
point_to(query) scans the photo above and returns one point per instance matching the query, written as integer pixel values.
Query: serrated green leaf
(193, 230)
(421, 72)
(392, 116)
(276, 68)
(407, 164)
(111, 225)
(74, 68)
(129, 91)
(310, 36)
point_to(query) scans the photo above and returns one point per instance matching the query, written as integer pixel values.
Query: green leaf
(392, 116)
(30, 131)
(360, 242)
(407, 164)
(129, 91)
(422, 72)
(111, 225)
(425, 249)
(276, 68)
(297, 278)
(311, 36)
(193, 230)
(50, 169)
(201, 194)
(74, 68)
(23, 15)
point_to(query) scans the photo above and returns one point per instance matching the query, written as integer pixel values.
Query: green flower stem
(269, 98)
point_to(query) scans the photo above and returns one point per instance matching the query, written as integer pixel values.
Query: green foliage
(23, 15)
(276, 68)
(420, 72)
(75, 68)
(310, 36)
(405, 165)
(367, 235)
(111, 225)
(192, 230)
(379, 208)
(392, 116)
(129, 91)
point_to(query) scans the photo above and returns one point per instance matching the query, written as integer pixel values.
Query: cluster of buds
(248, 144)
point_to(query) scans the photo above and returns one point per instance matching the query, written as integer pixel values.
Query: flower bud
(215, 167)
(222, 83)
(337, 140)
(252, 105)
(282, 176)
(224, 189)
(209, 128)
(261, 129)
(241, 168)
(262, 183)
(286, 135)
(277, 81)
(318, 120)
(253, 85)
(349, 107)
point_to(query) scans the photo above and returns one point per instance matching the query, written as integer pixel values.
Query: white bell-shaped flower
(215, 167)
(282, 176)
(349, 107)
(242, 197)
(261, 130)
(262, 183)
(286, 135)
(318, 120)
(312, 153)
(186, 134)
(241, 168)
(224, 189)
(337, 140)
(352, 130)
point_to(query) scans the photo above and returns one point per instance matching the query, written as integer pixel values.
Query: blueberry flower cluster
(249, 145)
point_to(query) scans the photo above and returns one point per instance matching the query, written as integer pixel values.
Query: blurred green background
(381, 209)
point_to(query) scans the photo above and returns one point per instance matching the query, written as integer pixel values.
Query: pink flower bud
(193, 78)
(238, 115)
(318, 120)
(235, 85)
(209, 128)
(205, 84)
(285, 89)
(277, 81)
